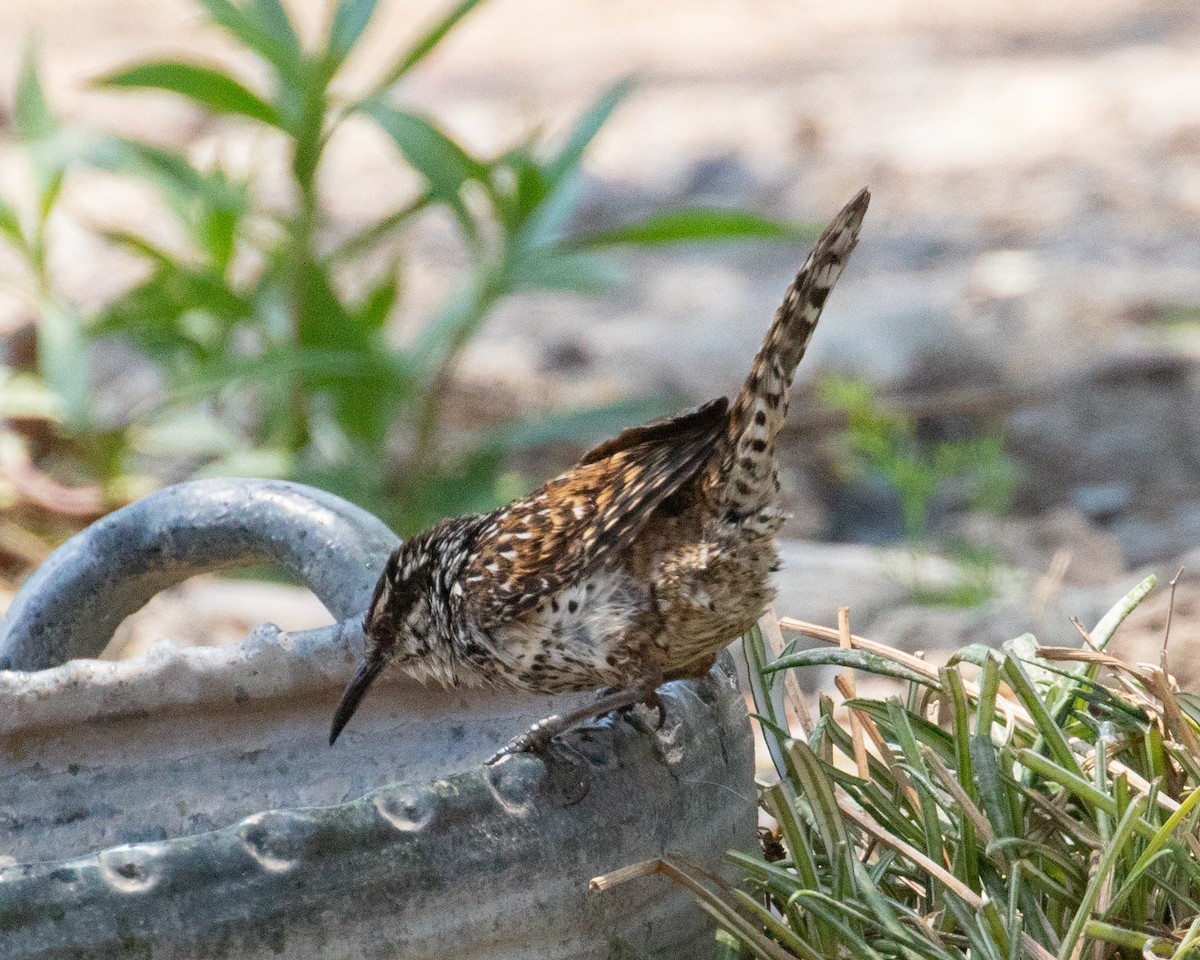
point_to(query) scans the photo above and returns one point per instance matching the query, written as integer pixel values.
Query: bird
(635, 567)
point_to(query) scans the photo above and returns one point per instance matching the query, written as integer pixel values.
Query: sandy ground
(1036, 171)
(1035, 168)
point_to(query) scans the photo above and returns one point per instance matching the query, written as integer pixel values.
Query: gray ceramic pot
(185, 804)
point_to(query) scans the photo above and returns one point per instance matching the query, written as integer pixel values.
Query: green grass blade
(1123, 834)
(1049, 732)
(768, 696)
(1154, 847)
(852, 660)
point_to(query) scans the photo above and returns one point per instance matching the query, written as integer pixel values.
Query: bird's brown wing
(539, 545)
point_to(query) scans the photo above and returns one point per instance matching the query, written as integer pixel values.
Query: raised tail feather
(759, 411)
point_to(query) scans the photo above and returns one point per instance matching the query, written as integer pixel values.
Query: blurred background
(424, 257)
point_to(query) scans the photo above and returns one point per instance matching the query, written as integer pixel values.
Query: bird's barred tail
(758, 413)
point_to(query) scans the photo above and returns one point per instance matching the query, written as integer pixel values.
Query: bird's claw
(535, 740)
(538, 737)
(655, 702)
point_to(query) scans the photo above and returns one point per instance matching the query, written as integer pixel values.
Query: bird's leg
(653, 681)
(536, 738)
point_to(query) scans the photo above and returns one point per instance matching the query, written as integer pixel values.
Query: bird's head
(397, 623)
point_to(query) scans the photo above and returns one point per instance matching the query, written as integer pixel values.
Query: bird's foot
(537, 738)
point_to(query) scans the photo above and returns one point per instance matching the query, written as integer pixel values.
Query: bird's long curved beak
(353, 695)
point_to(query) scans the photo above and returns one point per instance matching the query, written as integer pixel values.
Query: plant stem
(298, 272)
(478, 305)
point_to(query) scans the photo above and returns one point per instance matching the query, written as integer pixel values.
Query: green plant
(276, 362)
(61, 361)
(1023, 810)
(883, 447)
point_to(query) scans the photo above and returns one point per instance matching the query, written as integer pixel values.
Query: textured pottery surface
(186, 804)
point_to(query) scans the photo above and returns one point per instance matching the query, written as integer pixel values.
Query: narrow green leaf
(1025, 649)
(1154, 848)
(1048, 730)
(541, 212)
(582, 272)
(692, 226)
(443, 163)
(1104, 630)
(1139, 942)
(985, 704)
(853, 660)
(780, 802)
(10, 225)
(1065, 866)
(931, 835)
(375, 309)
(350, 19)
(779, 930)
(993, 924)
(566, 162)
(882, 911)
(272, 19)
(427, 42)
(277, 365)
(956, 700)
(969, 854)
(32, 119)
(180, 182)
(207, 86)
(1082, 788)
(768, 697)
(1064, 701)
(807, 770)
(1121, 836)
(976, 653)
(833, 909)
(263, 26)
(926, 732)
(370, 236)
(992, 790)
(48, 196)
(529, 187)
(1189, 703)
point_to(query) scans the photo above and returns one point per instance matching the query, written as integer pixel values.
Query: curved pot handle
(75, 600)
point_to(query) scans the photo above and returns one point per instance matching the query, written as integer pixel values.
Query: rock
(723, 177)
(864, 512)
(817, 578)
(1102, 501)
(1148, 540)
(1032, 542)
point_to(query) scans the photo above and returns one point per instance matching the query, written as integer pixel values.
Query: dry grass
(1026, 802)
